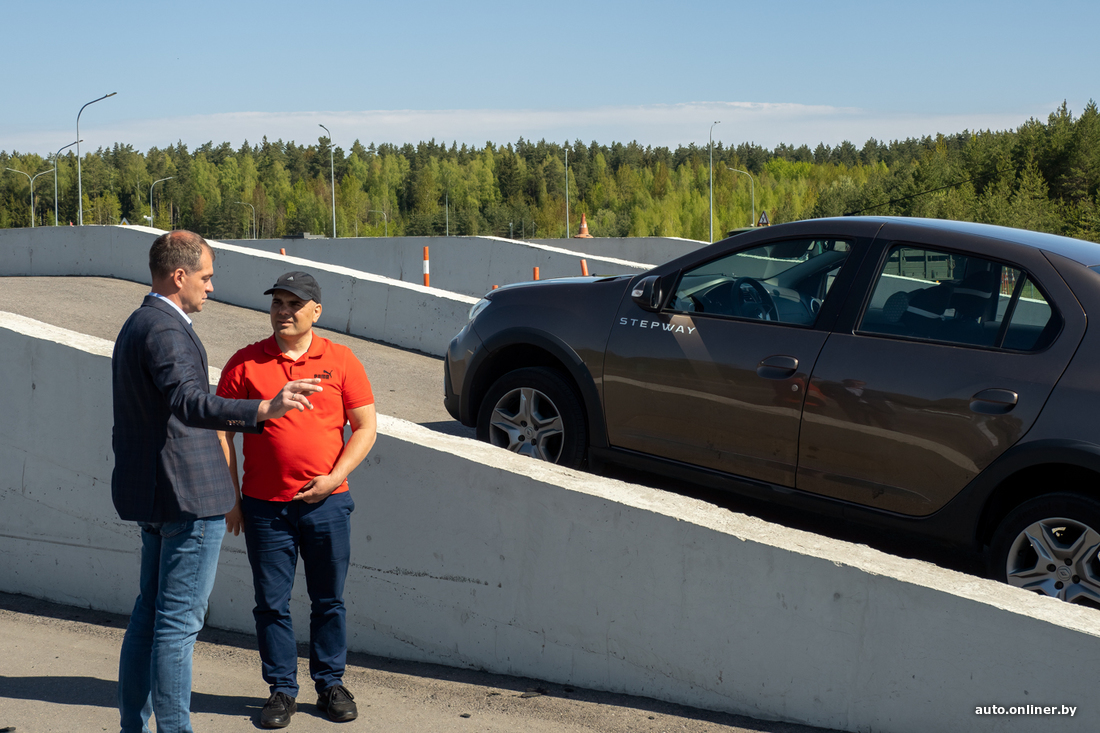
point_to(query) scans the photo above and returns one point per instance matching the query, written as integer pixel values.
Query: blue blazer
(169, 464)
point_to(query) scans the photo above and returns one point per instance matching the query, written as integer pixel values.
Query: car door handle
(777, 367)
(994, 401)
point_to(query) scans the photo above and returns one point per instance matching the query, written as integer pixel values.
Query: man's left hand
(234, 520)
(317, 489)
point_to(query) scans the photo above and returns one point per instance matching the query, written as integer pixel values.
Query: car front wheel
(1049, 545)
(535, 412)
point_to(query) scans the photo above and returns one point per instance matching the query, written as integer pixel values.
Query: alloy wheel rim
(527, 422)
(1057, 557)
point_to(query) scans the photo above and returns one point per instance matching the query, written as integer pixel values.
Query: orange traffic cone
(584, 229)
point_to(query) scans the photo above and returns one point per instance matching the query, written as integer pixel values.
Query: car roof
(1078, 250)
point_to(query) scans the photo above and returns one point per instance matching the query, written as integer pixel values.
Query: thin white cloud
(767, 124)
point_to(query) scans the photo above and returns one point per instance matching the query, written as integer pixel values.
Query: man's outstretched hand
(293, 396)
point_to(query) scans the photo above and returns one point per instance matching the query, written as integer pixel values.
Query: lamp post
(332, 169)
(384, 217)
(752, 188)
(31, 181)
(242, 203)
(567, 192)
(79, 189)
(151, 197)
(55, 180)
(710, 146)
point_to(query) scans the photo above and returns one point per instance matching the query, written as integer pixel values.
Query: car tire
(1049, 545)
(535, 412)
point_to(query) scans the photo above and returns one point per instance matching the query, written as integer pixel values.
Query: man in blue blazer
(171, 477)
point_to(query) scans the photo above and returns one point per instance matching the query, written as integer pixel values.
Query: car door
(947, 365)
(716, 379)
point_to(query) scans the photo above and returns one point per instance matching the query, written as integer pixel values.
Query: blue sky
(660, 73)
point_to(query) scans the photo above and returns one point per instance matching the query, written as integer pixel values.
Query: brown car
(923, 376)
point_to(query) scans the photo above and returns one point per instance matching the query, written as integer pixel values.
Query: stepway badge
(663, 325)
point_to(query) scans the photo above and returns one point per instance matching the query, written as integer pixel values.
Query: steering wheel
(766, 306)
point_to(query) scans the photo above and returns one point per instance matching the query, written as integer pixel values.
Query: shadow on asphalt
(92, 691)
(451, 427)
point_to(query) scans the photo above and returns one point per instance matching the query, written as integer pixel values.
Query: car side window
(785, 282)
(959, 299)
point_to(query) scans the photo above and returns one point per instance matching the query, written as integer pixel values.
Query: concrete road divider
(468, 265)
(358, 303)
(470, 556)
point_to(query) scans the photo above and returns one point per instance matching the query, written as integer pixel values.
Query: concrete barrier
(358, 303)
(469, 265)
(469, 556)
(657, 250)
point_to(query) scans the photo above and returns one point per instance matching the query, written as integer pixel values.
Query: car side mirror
(647, 293)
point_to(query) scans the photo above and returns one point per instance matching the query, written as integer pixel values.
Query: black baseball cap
(301, 284)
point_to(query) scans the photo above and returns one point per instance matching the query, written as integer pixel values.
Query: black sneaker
(277, 710)
(337, 702)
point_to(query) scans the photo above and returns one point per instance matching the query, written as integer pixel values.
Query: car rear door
(925, 388)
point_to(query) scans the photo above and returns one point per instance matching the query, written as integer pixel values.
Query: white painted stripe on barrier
(525, 568)
(573, 253)
(39, 330)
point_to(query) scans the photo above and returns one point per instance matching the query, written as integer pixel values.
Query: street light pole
(384, 217)
(710, 145)
(79, 189)
(253, 215)
(752, 188)
(55, 180)
(567, 192)
(151, 197)
(31, 181)
(332, 168)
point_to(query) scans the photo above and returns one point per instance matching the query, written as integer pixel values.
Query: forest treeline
(1044, 175)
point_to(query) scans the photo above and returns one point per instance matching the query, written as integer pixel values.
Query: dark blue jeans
(178, 563)
(276, 532)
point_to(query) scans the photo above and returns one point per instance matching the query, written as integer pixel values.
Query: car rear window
(959, 299)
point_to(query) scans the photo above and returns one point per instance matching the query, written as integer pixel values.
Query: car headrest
(930, 302)
(894, 306)
(973, 295)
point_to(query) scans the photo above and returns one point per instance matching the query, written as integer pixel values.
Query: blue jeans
(178, 563)
(275, 532)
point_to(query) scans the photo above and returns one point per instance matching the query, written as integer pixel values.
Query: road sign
(763, 220)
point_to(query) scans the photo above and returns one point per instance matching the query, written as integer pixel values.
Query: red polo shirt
(301, 445)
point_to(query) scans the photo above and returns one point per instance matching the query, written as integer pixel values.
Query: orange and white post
(536, 273)
(427, 277)
(584, 268)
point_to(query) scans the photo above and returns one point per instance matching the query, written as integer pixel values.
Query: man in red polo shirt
(295, 494)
